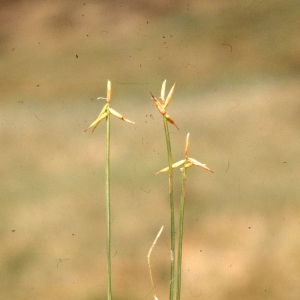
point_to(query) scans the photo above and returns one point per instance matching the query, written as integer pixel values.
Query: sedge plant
(105, 114)
(183, 164)
(161, 106)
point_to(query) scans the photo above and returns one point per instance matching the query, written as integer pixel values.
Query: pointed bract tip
(118, 115)
(199, 164)
(128, 121)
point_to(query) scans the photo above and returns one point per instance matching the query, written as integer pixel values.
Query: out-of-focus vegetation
(237, 70)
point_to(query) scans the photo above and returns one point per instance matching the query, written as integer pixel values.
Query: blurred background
(237, 68)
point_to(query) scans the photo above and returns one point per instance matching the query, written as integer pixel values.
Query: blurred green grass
(241, 108)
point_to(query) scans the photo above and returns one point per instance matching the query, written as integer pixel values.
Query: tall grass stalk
(181, 218)
(183, 165)
(180, 234)
(105, 114)
(172, 209)
(108, 222)
(161, 106)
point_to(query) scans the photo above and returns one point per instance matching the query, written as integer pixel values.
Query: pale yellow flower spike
(106, 110)
(169, 97)
(187, 162)
(187, 145)
(108, 91)
(158, 105)
(162, 93)
(161, 106)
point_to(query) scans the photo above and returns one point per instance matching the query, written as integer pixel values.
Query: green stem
(180, 237)
(172, 273)
(107, 183)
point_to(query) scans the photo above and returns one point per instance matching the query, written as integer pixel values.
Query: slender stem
(180, 237)
(107, 182)
(149, 264)
(172, 273)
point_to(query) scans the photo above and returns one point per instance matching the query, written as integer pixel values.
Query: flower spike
(162, 93)
(108, 91)
(161, 106)
(187, 145)
(107, 110)
(170, 95)
(187, 162)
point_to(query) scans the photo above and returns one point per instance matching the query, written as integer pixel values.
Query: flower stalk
(105, 114)
(183, 165)
(161, 106)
